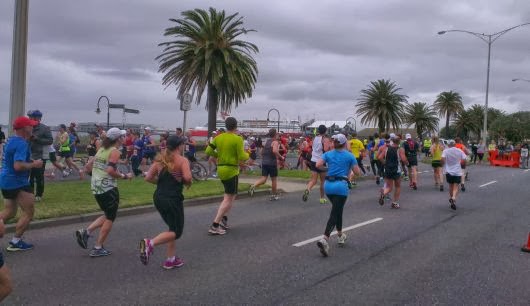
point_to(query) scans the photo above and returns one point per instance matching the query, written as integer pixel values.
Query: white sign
(185, 102)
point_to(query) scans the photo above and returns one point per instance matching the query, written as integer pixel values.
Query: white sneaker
(38, 199)
(341, 240)
(323, 246)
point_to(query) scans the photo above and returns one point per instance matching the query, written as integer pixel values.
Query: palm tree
(477, 113)
(448, 103)
(465, 123)
(421, 115)
(381, 104)
(205, 53)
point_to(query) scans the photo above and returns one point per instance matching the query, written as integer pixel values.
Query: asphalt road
(422, 254)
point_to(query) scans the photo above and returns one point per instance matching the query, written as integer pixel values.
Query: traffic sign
(185, 102)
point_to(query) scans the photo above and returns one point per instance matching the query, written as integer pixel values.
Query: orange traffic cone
(526, 248)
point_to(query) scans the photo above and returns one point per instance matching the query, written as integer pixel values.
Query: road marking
(299, 244)
(527, 170)
(492, 182)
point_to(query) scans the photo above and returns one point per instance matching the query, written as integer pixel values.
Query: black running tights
(335, 217)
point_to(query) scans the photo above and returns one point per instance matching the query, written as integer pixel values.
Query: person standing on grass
(319, 145)
(436, 153)
(452, 159)
(269, 165)
(170, 172)
(104, 185)
(228, 149)
(340, 163)
(14, 181)
(391, 156)
(40, 142)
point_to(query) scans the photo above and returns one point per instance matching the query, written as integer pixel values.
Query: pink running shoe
(146, 250)
(170, 264)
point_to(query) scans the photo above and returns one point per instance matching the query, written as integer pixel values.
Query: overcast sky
(315, 56)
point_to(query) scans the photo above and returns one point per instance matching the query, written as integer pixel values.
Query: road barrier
(526, 248)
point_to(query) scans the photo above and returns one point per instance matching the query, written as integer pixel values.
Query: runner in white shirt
(452, 158)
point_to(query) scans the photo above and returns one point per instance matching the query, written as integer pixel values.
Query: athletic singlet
(101, 181)
(268, 157)
(392, 162)
(318, 149)
(169, 185)
(437, 152)
(65, 146)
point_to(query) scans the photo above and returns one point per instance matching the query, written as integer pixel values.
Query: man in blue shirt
(14, 180)
(340, 162)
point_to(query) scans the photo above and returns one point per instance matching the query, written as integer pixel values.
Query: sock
(97, 247)
(88, 232)
(151, 243)
(216, 225)
(15, 240)
(171, 258)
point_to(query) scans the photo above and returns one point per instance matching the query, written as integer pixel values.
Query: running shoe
(175, 263)
(323, 201)
(387, 197)
(38, 199)
(382, 199)
(405, 178)
(216, 230)
(305, 196)
(224, 223)
(99, 252)
(453, 204)
(146, 250)
(19, 246)
(251, 190)
(354, 183)
(442, 187)
(414, 186)
(462, 187)
(323, 245)
(274, 197)
(81, 236)
(341, 240)
(395, 205)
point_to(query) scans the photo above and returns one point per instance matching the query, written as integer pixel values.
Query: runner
(436, 152)
(74, 139)
(357, 149)
(269, 165)
(212, 161)
(411, 152)
(427, 143)
(340, 163)
(459, 145)
(138, 154)
(65, 152)
(170, 172)
(370, 148)
(253, 152)
(190, 148)
(129, 144)
(104, 185)
(14, 181)
(40, 142)
(390, 156)
(228, 149)
(6, 286)
(320, 142)
(162, 146)
(149, 149)
(452, 159)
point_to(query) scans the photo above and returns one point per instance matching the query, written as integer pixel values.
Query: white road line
(299, 244)
(489, 183)
(527, 170)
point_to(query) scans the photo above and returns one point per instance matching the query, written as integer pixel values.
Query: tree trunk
(447, 126)
(212, 109)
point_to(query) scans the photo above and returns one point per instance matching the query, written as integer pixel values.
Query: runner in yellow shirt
(357, 149)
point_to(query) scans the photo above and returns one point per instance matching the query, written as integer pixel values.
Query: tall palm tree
(465, 123)
(448, 104)
(477, 113)
(422, 116)
(205, 53)
(381, 104)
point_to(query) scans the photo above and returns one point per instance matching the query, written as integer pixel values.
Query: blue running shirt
(339, 162)
(16, 149)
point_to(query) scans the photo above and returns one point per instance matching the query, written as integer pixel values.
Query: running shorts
(230, 185)
(268, 170)
(313, 167)
(392, 175)
(66, 154)
(452, 179)
(413, 161)
(53, 157)
(436, 163)
(11, 194)
(171, 210)
(109, 202)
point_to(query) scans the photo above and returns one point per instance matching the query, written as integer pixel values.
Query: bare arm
(186, 172)
(152, 173)
(23, 166)
(112, 170)
(276, 150)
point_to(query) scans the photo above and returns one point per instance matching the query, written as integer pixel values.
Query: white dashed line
(299, 244)
(527, 170)
(489, 183)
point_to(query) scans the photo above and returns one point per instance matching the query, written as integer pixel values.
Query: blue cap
(34, 113)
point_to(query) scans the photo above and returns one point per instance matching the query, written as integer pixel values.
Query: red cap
(22, 122)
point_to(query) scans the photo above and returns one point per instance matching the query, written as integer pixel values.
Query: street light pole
(489, 39)
(98, 110)
(277, 111)
(525, 80)
(354, 121)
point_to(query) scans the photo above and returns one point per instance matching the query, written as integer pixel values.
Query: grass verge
(74, 197)
(284, 173)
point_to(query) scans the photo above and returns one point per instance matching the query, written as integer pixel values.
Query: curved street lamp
(109, 106)
(349, 123)
(489, 39)
(278, 112)
(513, 80)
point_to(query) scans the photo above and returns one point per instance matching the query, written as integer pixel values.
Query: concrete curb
(130, 211)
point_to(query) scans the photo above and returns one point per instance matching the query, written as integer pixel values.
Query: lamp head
(513, 80)
(442, 32)
(98, 111)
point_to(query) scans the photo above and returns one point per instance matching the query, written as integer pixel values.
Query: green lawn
(285, 173)
(74, 197)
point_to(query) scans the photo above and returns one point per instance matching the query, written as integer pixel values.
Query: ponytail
(166, 159)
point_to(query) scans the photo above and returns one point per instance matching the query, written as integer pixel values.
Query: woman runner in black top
(390, 156)
(170, 172)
